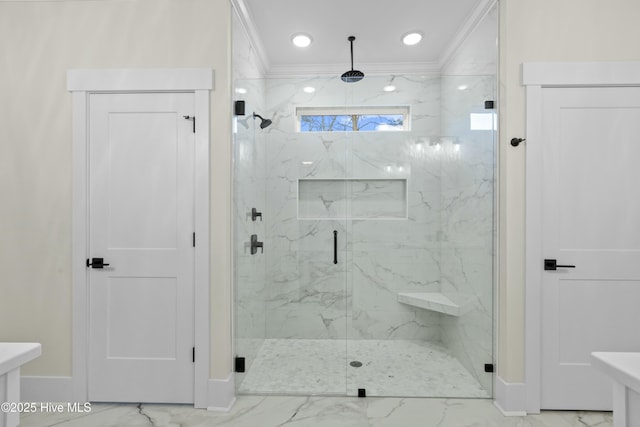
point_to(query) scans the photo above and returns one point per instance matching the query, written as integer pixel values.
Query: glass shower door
(301, 306)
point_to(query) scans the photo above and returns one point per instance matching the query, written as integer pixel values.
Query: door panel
(590, 220)
(141, 223)
(142, 146)
(152, 336)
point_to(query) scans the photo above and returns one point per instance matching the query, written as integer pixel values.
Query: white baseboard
(510, 398)
(46, 389)
(221, 394)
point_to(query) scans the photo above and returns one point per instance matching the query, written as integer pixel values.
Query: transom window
(352, 119)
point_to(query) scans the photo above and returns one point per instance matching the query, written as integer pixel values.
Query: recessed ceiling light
(463, 87)
(309, 89)
(241, 90)
(412, 38)
(301, 40)
(389, 88)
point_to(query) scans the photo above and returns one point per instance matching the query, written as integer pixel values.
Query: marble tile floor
(403, 368)
(299, 411)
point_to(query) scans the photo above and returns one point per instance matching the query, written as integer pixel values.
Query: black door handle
(335, 246)
(552, 265)
(96, 263)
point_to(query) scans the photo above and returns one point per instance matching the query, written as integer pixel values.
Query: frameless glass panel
(250, 219)
(421, 317)
(301, 306)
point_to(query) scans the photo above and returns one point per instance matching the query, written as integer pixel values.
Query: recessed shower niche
(352, 198)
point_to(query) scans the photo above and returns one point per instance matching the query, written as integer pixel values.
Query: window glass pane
(381, 122)
(482, 121)
(354, 122)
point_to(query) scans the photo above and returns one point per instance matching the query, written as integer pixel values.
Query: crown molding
(472, 22)
(247, 22)
(369, 69)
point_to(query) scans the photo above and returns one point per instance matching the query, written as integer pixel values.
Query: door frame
(82, 83)
(536, 77)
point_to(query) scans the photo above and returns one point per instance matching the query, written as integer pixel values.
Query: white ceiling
(377, 25)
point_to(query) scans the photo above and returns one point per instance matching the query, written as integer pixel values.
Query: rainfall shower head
(352, 75)
(263, 122)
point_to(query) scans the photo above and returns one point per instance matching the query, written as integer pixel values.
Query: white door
(590, 220)
(141, 169)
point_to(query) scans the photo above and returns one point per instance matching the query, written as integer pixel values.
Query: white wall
(39, 41)
(541, 30)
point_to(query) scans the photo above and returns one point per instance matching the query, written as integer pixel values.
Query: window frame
(404, 110)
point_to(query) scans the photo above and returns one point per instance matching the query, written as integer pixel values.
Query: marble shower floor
(400, 368)
(299, 411)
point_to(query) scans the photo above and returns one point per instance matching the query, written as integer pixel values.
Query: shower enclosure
(375, 211)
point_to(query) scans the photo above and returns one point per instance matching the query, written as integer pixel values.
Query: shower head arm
(351, 39)
(264, 123)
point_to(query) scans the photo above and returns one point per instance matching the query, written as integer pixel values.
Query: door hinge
(194, 239)
(193, 354)
(239, 362)
(193, 119)
(488, 367)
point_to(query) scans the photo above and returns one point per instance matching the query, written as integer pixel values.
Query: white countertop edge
(623, 367)
(15, 354)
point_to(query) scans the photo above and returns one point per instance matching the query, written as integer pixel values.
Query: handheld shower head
(264, 123)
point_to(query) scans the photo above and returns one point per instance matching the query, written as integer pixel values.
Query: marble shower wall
(354, 176)
(467, 250)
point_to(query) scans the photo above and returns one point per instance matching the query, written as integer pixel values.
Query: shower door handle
(335, 246)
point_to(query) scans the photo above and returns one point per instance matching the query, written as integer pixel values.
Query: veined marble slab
(316, 411)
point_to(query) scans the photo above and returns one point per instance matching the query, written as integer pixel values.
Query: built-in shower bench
(12, 357)
(435, 301)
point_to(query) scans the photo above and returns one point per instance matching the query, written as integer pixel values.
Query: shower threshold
(404, 368)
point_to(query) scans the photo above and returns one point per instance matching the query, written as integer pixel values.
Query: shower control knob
(255, 214)
(255, 245)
